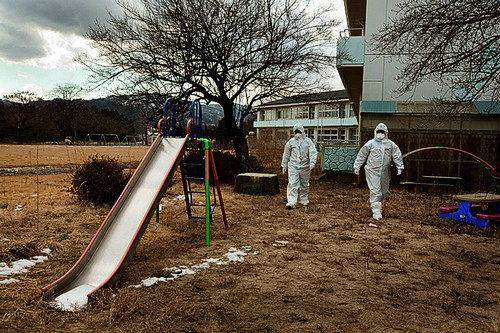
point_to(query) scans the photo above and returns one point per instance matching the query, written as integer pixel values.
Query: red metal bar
(216, 179)
(162, 120)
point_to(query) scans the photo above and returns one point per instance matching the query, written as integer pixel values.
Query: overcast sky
(39, 40)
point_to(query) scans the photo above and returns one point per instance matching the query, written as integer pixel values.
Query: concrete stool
(257, 183)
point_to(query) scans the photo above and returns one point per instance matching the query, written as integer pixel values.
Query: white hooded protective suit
(378, 155)
(298, 157)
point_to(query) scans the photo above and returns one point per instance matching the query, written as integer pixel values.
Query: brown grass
(414, 273)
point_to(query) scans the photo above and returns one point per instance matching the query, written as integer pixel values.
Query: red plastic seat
(449, 209)
(452, 209)
(491, 217)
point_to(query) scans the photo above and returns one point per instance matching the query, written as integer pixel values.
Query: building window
(309, 133)
(342, 110)
(342, 134)
(268, 115)
(328, 135)
(283, 113)
(311, 112)
(329, 110)
(334, 134)
(302, 112)
(350, 111)
(353, 135)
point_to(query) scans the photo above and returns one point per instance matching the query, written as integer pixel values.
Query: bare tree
(149, 107)
(223, 51)
(67, 93)
(455, 43)
(23, 113)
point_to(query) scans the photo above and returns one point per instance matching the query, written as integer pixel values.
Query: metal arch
(166, 125)
(196, 124)
(491, 170)
(485, 164)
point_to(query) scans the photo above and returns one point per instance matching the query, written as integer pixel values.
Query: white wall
(379, 82)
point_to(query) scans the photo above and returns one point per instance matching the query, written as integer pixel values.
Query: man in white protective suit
(379, 153)
(299, 158)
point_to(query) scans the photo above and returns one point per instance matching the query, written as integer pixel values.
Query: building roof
(314, 97)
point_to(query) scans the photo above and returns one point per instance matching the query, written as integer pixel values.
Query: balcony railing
(352, 32)
(351, 48)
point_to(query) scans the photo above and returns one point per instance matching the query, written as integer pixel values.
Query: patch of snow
(232, 256)
(22, 265)
(204, 265)
(46, 250)
(18, 266)
(8, 281)
(280, 243)
(178, 272)
(149, 282)
(74, 299)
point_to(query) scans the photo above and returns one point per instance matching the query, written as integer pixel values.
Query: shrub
(100, 180)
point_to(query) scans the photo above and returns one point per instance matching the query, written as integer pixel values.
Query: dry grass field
(314, 269)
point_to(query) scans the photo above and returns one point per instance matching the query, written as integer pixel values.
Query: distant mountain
(114, 103)
(211, 113)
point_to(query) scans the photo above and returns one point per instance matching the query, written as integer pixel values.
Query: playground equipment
(201, 149)
(130, 140)
(491, 170)
(471, 209)
(102, 139)
(109, 251)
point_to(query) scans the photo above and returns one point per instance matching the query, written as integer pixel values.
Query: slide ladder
(199, 175)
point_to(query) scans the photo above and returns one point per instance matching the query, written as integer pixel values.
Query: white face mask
(298, 135)
(380, 136)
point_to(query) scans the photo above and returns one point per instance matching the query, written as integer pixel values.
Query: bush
(100, 180)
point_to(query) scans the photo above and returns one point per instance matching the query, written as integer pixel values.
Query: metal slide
(114, 243)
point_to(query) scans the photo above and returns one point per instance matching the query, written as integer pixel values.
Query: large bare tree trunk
(237, 136)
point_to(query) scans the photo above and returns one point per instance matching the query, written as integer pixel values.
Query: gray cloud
(20, 19)
(17, 43)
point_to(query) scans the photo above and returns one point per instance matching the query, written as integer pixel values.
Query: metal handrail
(197, 123)
(165, 126)
(348, 32)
